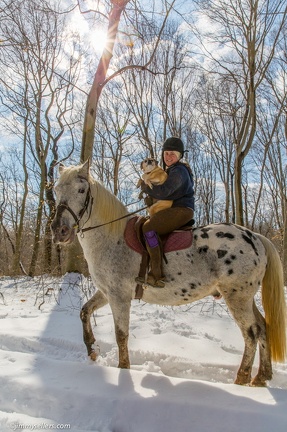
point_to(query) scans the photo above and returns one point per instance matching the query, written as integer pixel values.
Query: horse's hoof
(244, 381)
(93, 356)
(257, 382)
(95, 352)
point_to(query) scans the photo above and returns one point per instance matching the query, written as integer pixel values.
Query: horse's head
(73, 198)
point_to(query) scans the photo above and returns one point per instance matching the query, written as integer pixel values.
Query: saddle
(177, 240)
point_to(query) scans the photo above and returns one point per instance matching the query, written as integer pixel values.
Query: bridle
(64, 206)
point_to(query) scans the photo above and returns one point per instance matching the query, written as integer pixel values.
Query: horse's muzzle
(62, 233)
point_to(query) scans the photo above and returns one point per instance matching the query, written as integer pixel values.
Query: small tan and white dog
(153, 175)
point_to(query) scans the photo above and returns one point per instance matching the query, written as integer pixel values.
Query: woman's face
(170, 157)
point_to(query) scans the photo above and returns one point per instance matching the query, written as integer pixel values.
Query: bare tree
(113, 135)
(140, 100)
(37, 92)
(251, 30)
(213, 109)
(161, 101)
(118, 7)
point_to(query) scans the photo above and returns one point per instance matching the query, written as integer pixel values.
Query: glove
(148, 200)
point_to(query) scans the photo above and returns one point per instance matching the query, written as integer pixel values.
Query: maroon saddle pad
(176, 240)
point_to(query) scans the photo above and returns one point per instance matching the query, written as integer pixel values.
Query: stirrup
(156, 283)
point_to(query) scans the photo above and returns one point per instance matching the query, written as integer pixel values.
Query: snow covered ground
(183, 360)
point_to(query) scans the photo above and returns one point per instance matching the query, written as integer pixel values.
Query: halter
(63, 206)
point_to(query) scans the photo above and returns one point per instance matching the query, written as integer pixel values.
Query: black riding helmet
(172, 144)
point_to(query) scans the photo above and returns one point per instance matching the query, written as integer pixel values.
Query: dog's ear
(142, 164)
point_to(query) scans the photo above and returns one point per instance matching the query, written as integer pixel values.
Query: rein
(115, 220)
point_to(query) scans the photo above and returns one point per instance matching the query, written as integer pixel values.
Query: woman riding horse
(178, 187)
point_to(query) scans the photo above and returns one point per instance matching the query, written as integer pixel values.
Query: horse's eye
(82, 190)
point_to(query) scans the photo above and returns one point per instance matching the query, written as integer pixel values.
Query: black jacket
(178, 187)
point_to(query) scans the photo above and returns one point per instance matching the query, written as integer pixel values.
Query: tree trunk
(238, 190)
(20, 228)
(48, 244)
(285, 225)
(118, 7)
(36, 244)
(285, 243)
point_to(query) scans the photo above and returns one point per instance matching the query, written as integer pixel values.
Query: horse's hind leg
(96, 302)
(243, 314)
(265, 365)
(244, 372)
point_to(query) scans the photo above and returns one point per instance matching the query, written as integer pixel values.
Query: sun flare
(98, 39)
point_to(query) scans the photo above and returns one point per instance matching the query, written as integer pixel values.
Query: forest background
(211, 72)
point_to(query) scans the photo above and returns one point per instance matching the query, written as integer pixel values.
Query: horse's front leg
(121, 314)
(96, 302)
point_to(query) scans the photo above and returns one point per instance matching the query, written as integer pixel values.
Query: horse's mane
(107, 208)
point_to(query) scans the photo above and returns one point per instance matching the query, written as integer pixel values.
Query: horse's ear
(85, 169)
(61, 167)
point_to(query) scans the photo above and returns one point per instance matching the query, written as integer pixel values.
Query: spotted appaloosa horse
(223, 257)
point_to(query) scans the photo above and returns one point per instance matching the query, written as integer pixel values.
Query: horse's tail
(273, 301)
